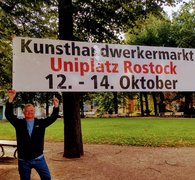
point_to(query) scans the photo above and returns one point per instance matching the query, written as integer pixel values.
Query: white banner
(57, 65)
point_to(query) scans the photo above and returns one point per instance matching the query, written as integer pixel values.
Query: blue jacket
(29, 147)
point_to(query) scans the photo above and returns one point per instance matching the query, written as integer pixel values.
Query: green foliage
(104, 101)
(184, 25)
(5, 52)
(153, 31)
(22, 18)
(103, 21)
(108, 102)
(33, 18)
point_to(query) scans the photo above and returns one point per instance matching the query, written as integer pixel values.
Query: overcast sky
(170, 10)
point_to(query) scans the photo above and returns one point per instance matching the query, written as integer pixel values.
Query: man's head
(29, 112)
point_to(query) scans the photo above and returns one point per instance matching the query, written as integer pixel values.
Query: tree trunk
(188, 106)
(141, 103)
(73, 146)
(115, 102)
(155, 103)
(147, 111)
(161, 103)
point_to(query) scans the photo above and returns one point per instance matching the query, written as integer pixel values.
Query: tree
(153, 31)
(183, 23)
(5, 53)
(22, 18)
(103, 21)
(104, 101)
(97, 21)
(73, 146)
(163, 32)
(100, 15)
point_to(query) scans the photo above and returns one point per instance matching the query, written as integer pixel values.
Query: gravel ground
(112, 162)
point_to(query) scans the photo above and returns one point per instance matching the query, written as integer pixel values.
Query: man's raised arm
(9, 107)
(11, 95)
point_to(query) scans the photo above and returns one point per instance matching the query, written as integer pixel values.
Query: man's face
(29, 112)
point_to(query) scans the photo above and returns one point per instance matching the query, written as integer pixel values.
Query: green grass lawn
(124, 131)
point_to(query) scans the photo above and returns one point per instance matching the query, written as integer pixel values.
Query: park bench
(166, 114)
(178, 114)
(123, 115)
(8, 143)
(89, 114)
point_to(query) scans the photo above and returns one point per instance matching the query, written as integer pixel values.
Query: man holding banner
(30, 137)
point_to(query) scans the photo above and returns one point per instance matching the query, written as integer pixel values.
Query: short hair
(28, 105)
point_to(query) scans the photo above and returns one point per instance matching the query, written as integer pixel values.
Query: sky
(170, 10)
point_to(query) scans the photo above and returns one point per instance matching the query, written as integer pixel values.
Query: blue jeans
(39, 164)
